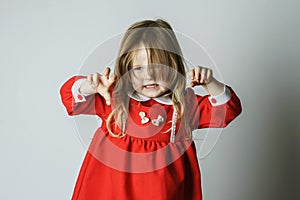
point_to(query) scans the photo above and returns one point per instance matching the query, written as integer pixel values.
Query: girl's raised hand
(200, 76)
(101, 83)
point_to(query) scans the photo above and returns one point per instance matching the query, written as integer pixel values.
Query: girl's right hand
(101, 84)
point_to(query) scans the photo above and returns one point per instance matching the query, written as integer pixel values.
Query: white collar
(139, 97)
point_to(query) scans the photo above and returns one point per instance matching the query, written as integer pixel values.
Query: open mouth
(151, 86)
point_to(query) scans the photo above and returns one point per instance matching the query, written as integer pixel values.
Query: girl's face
(143, 80)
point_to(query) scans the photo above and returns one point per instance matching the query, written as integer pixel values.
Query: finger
(192, 83)
(197, 73)
(208, 75)
(89, 78)
(192, 77)
(192, 74)
(202, 75)
(106, 72)
(95, 79)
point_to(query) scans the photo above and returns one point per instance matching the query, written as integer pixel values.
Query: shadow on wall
(277, 156)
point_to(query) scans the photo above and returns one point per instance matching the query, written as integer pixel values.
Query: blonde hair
(162, 47)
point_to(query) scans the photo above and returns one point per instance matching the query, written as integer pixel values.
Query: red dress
(144, 164)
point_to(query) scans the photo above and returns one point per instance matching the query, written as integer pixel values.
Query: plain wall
(255, 45)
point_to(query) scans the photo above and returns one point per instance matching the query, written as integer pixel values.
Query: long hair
(162, 47)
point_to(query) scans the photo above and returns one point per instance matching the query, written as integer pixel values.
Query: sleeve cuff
(221, 98)
(79, 97)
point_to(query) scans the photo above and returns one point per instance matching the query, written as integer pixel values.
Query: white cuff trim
(79, 97)
(221, 98)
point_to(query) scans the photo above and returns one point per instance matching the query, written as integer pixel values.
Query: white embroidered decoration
(173, 129)
(143, 117)
(158, 121)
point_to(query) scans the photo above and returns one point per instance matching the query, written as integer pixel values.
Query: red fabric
(143, 164)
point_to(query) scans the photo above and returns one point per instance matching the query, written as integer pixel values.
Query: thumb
(107, 98)
(112, 80)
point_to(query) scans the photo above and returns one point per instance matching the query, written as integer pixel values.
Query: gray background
(254, 43)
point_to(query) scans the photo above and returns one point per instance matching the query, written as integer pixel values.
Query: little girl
(144, 149)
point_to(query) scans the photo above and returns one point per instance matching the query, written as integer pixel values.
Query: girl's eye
(137, 68)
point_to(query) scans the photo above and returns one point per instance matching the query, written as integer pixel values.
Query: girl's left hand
(200, 76)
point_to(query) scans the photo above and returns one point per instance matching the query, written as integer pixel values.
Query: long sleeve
(214, 112)
(76, 103)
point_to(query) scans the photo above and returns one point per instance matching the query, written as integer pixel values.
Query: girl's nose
(149, 73)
